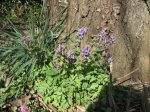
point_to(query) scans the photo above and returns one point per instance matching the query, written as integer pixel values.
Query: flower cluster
(24, 108)
(61, 49)
(82, 32)
(110, 41)
(104, 36)
(25, 40)
(109, 59)
(107, 40)
(58, 66)
(86, 51)
(70, 54)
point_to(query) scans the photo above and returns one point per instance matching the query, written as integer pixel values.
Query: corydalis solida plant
(70, 54)
(86, 51)
(82, 32)
(79, 71)
(105, 37)
(61, 49)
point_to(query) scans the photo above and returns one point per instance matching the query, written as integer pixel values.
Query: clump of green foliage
(25, 51)
(72, 82)
(18, 10)
(65, 77)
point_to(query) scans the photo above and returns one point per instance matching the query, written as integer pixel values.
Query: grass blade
(23, 66)
(19, 32)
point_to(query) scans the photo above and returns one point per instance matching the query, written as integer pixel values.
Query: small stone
(98, 10)
(97, 27)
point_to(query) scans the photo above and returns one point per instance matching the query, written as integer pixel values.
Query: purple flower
(25, 39)
(105, 50)
(82, 32)
(107, 42)
(110, 41)
(24, 108)
(86, 51)
(102, 34)
(113, 39)
(61, 49)
(58, 66)
(109, 59)
(70, 54)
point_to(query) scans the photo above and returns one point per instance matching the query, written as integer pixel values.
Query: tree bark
(135, 34)
(129, 20)
(94, 14)
(97, 15)
(52, 10)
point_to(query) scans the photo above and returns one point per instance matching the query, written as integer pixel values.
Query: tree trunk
(52, 10)
(129, 20)
(134, 30)
(97, 15)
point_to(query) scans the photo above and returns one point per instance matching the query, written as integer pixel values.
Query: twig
(124, 78)
(111, 98)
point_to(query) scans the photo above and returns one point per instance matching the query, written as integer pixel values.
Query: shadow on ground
(133, 98)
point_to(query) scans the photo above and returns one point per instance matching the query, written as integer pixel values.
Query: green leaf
(42, 12)
(18, 63)
(93, 79)
(79, 68)
(94, 86)
(10, 34)
(64, 105)
(19, 32)
(95, 95)
(78, 99)
(63, 72)
(31, 67)
(32, 28)
(10, 50)
(16, 58)
(52, 72)
(47, 99)
(22, 67)
(85, 85)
